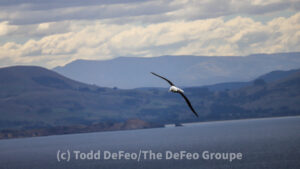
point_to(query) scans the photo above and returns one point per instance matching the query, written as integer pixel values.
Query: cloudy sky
(51, 33)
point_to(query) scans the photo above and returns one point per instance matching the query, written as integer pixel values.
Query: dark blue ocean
(272, 143)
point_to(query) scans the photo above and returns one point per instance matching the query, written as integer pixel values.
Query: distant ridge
(133, 72)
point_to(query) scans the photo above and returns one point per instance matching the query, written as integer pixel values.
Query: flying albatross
(175, 89)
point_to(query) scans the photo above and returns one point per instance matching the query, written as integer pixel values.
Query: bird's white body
(175, 89)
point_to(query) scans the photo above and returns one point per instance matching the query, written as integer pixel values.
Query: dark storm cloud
(49, 4)
(23, 12)
(122, 11)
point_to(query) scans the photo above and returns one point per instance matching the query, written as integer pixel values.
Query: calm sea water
(264, 143)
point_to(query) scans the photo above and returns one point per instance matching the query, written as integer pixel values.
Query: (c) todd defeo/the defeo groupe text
(146, 155)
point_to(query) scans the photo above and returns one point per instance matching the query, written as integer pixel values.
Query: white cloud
(242, 36)
(6, 28)
(195, 9)
(99, 40)
(264, 2)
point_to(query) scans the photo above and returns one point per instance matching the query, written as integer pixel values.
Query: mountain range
(185, 71)
(37, 101)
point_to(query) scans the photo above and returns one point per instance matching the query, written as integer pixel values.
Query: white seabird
(175, 89)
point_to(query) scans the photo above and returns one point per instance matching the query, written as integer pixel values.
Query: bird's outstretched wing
(188, 102)
(163, 78)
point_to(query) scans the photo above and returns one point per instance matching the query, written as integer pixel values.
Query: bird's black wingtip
(196, 114)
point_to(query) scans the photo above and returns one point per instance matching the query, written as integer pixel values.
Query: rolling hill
(36, 101)
(269, 77)
(36, 97)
